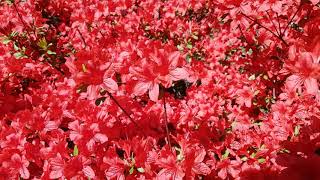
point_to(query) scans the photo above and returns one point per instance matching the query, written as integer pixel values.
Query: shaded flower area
(159, 89)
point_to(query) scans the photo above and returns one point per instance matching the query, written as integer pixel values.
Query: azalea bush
(159, 89)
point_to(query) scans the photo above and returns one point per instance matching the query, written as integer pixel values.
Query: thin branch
(82, 38)
(278, 18)
(125, 112)
(56, 68)
(243, 34)
(275, 27)
(266, 28)
(131, 119)
(166, 120)
(294, 15)
(20, 17)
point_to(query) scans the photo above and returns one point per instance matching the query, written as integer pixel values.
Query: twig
(284, 31)
(275, 27)
(20, 17)
(84, 42)
(166, 120)
(266, 28)
(131, 119)
(243, 34)
(125, 112)
(278, 18)
(56, 68)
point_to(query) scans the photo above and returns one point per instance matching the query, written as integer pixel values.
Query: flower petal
(110, 85)
(311, 86)
(88, 171)
(179, 73)
(141, 88)
(154, 92)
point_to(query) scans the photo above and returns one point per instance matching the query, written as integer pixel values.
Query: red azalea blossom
(153, 89)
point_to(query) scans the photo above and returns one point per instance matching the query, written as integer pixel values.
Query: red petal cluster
(159, 89)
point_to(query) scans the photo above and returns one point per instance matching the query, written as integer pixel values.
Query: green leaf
(286, 151)
(5, 40)
(43, 44)
(147, 28)
(180, 156)
(75, 151)
(226, 154)
(261, 160)
(13, 33)
(252, 77)
(140, 170)
(10, 1)
(15, 47)
(180, 48)
(51, 52)
(258, 122)
(131, 170)
(189, 46)
(188, 58)
(244, 158)
(296, 130)
(195, 36)
(19, 55)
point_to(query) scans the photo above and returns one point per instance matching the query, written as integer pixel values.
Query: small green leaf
(189, 46)
(13, 33)
(180, 156)
(131, 170)
(296, 130)
(252, 77)
(286, 151)
(10, 1)
(147, 28)
(19, 55)
(195, 36)
(188, 58)
(75, 151)
(51, 52)
(140, 170)
(5, 40)
(244, 158)
(261, 160)
(15, 47)
(43, 44)
(180, 48)
(226, 154)
(258, 122)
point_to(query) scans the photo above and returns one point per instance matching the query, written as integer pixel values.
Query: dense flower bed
(159, 89)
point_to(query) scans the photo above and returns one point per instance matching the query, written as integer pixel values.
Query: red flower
(245, 96)
(159, 67)
(170, 168)
(18, 164)
(305, 68)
